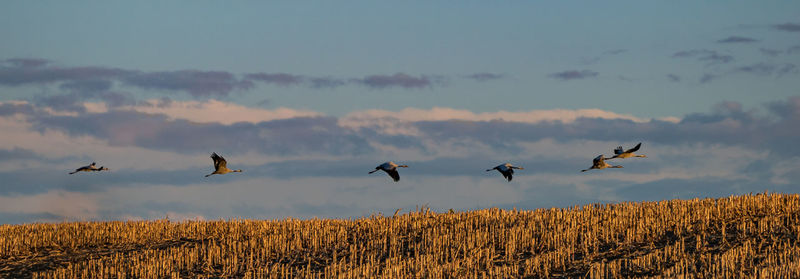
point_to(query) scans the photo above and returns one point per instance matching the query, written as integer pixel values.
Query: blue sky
(319, 93)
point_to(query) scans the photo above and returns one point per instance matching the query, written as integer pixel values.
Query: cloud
(793, 49)
(397, 80)
(765, 69)
(196, 83)
(326, 82)
(25, 62)
(674, 78)
(156, 131)
(770, 52)
(711, 56)
(13, 108)
(282, 79)
(79, 86)
(395, 122)
(75, 101)
(615, 51)
(573, 74)
(21, 75)
(83, 79)
(706, 78)
(214, 111)
(302, 166)
(736, 39)
(485, 76)
(788, 27)
(16, 154)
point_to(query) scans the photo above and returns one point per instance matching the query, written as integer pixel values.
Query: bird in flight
(391, 169)
(600, 163)
(220, 165)
(91, 167)
(619, 153)
(507, 170)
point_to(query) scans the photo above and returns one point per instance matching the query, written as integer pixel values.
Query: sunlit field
(751, 235)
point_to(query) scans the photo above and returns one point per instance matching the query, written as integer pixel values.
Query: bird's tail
(373, 171)
(585, 170)
(490, 170)
(207, 175)
(73, 172)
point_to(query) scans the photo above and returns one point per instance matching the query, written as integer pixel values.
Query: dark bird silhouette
(600, 163)
(391, 169)
(507, 170)
(90, 167)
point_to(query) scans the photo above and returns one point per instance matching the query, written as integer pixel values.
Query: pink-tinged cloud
(396, 122)
(211, 111)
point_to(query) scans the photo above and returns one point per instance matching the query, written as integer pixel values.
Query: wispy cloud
(674, 78)
(710, 56)
(706, 78)
(788, 27)
(736, 39)
(766, 69)
(397, 80)
(196, 83)
(25, 62)
(485, 76)
(573, 75)
(770, 52)
(615, 51)
(282, 79)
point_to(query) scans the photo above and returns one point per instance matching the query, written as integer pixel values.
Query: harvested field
(738, 236)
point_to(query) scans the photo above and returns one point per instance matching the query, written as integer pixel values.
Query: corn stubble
(739, 236)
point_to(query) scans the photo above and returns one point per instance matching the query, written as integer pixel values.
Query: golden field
(739, 236)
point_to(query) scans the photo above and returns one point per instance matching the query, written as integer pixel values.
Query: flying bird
(600, 163)
(627, 153)
(91, 167)
(507, 170)
(220, 165)
(391, 169)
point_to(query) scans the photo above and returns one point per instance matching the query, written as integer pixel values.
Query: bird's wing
(218, 161)
(618, 150)
(510, 176)
(598, 159)
(634, 149)
(394, 174)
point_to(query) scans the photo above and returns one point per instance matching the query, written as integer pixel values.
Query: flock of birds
(507, 169)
